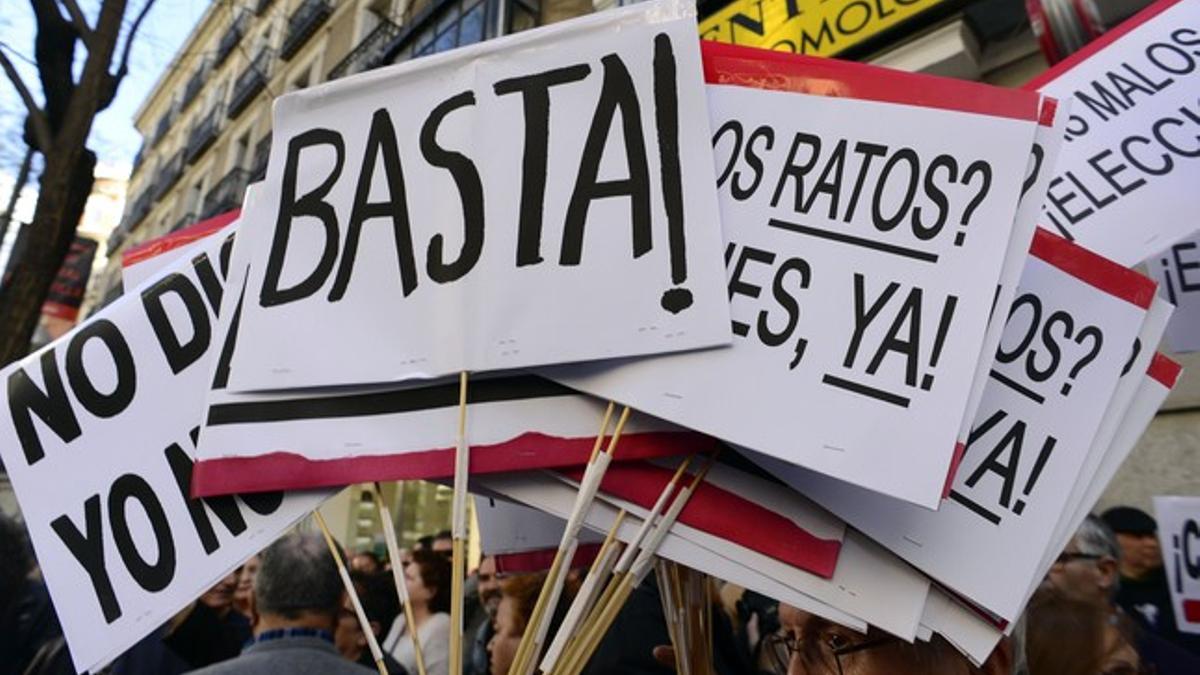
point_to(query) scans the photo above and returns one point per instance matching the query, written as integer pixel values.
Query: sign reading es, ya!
(814, 27)
(540, 199)
(862, 260)
(1128, 171)
(1179, 535)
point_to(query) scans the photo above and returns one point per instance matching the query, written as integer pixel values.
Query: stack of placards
(831, 269)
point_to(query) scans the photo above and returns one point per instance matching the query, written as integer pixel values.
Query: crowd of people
(1103, 609)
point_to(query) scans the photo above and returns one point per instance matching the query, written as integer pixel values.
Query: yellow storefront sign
(816, 27)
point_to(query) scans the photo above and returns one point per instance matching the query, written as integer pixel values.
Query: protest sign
(1124, 184)
(139, 263)
(98, 440)
(1070, 334)
(511, 222)
(815, 28)
(1177, 271)
(1179, 535)
(862, 262)
(869, 586)
(326, 437)
(524, 539)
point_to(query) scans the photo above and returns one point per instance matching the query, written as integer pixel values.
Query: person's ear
(1001, 660)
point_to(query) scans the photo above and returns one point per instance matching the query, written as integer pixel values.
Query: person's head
(811, 645)
(518, 595)
(443, 542)
(245, 585)
(366, 561)
(219, 598)
(424, 543)
(1070, 635)
(297, 585)
(489, 585)
(15, 561)
(1137, 536)
(379, 603)
(428, 581)
(1087, 567)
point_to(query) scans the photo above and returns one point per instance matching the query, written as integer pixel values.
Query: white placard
(1177, 270)
(482, 209)
(508, 527)
(1179, 534)
(1125, 182)
(1070, 334)
(863, 259)
(98, 439)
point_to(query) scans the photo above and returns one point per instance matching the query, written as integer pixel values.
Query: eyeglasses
(1064, 558)
(780, 647)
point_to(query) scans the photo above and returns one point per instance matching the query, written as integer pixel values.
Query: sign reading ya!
(808, 26)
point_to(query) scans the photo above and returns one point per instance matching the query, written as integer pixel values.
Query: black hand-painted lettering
(155, 576)
(89, 553)
(52, 407)
(180, 353)
(470, 192)
(535, 97)
(94, 401)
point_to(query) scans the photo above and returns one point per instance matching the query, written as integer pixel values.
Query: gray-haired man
(294, 611)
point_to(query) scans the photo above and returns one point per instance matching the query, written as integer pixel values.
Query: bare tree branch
(124, 67)
(41, 126)
(80, 21)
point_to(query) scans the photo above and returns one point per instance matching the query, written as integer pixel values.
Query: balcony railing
(231, 38)
(194, 85)
(203, 134)
(305, 21)
(184, 220)
(369, 53)
(262, 152)
(138, 159)
(164, 125)
(169, 175)
(227, 194)
(252, 80)
(262, 7)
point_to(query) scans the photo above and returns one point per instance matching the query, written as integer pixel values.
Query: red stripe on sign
(1191, 610)
(156, 247)
(529, 562)
(1049, 112)
(289, 471)
(1164, 370)
(769, 69)
(1096, 45)
(960, 449)
(724, 514)
(989, 618)
(1093, 269)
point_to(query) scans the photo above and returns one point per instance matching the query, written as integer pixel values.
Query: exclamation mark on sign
(1167, 277)
(940, 340)
(666, 118)
(1044, 455)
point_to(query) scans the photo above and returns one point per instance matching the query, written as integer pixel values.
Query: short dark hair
(378, 596)
(298, 574)
(434, 569)
(444, 534)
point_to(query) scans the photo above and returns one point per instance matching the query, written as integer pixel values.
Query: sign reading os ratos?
(862, 260)
(540, 199)
(1125, 180)
(813, 27)
(1179, 534)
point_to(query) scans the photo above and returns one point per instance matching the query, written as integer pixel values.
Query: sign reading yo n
(539, 199)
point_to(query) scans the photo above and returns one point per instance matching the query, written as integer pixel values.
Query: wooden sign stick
(458, 560)
(642, 566)
(365, 624)
(539, 622)
(389, 535)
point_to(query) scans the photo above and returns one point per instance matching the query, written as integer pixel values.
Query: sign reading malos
(539, 199)
(817, 28)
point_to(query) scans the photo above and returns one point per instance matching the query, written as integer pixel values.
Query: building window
(240, 148)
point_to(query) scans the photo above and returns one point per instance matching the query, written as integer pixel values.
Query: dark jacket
(291, 655)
